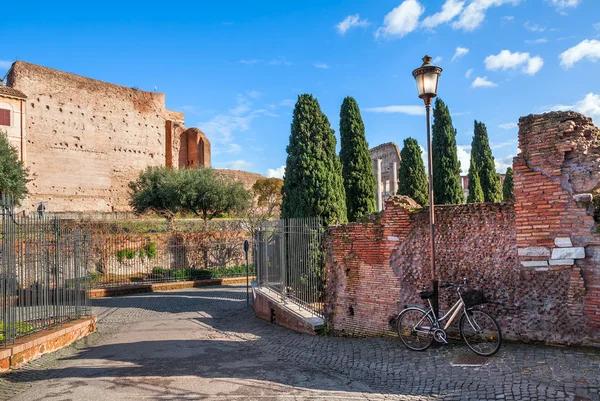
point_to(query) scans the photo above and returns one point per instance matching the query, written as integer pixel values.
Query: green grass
(22, 328)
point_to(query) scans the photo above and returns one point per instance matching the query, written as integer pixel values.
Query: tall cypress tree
(357, 168)
(313, 184)
(508, 186)
(484, 162)
(446, 167)
(475, 191)
(412, 179)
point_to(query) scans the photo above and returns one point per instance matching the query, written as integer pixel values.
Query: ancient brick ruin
(84, 140)
(538, 259)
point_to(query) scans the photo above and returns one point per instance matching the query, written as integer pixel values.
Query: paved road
(206, 344)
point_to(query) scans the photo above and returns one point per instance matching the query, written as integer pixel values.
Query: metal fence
(289, 260)
(124, 252)
(42, 273)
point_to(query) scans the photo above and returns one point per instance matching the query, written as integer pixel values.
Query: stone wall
(86, 139)
(375, 269)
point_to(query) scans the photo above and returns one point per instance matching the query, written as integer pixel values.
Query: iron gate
(289, 260)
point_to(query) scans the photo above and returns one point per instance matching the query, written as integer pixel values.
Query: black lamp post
(427, 77)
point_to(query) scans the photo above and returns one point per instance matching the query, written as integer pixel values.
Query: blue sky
(236, 67)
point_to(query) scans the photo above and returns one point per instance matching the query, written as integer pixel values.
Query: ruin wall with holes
(86, 139)
(537, 258)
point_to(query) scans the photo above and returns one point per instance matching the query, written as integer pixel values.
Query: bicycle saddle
(426, 294)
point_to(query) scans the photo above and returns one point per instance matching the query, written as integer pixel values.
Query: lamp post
(427, 77)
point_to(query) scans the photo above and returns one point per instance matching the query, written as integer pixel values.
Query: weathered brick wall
(86, 139)
(375, 269)
(557, 174)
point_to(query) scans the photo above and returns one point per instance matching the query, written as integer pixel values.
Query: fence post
(282, 257)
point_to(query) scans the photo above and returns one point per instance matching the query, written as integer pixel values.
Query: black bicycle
(418, 327)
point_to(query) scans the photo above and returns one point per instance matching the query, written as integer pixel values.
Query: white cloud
(250, 61)
(437, 60)
(351, 21)
(460, 51)
(473, 15)
(589, 106)
(401, 20)
(5, 64)
(509, 126)
(450, 9)
(468, 73)
(506, 60)
(508, 18)
(536, 41)
(597, 26)
(322, 66)
(589, 49)
(276, 172)
(534, 27)
(237, 165)
(222, 127)
(410, 110)
(280, 61)
(464, 156)
(503, 163)
(483, 83)
(560, 4)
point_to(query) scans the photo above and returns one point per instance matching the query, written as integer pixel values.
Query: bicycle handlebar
(450, 285)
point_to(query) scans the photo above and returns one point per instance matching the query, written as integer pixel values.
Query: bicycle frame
(453, 312)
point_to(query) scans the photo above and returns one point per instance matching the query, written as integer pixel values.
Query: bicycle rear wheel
(415, 329)
(481, 332)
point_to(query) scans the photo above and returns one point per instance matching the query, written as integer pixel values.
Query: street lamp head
(427, 77)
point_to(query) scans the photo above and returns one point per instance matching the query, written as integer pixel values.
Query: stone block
(563, 242)
(534, 263)
(562, 262)
(393, 238)
(534, 251)
(584, 198)
(568, 253)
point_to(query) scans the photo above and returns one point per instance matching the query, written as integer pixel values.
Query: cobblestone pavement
(206, 344)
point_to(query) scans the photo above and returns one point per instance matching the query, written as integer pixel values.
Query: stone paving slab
(206, 344)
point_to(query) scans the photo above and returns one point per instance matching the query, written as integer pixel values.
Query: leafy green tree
(201, 191)
(268, 194)
(508, 186)
(484, 162)
(155, 189)
(13, 174)
(357, 168)
(412, 179)
(313, 184)
(475, 191)
(446, 166)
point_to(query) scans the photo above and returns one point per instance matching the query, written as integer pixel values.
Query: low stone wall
(35, 345)
(169, 286)
(536, 259)
(269, 309)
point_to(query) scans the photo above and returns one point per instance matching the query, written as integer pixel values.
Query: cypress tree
(357, 168)
(446, 167)
(484, 162)
(508, 187)
(475, 191)
(313, 184)
(412, 179)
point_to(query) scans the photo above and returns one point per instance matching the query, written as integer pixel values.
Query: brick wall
(375, 269)
(86, 139)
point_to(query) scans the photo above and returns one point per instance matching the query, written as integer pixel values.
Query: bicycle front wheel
(481, 332)
(415, 328)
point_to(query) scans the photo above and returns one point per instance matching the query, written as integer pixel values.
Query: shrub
(126, 253)
(148, 251)
(160, 270)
